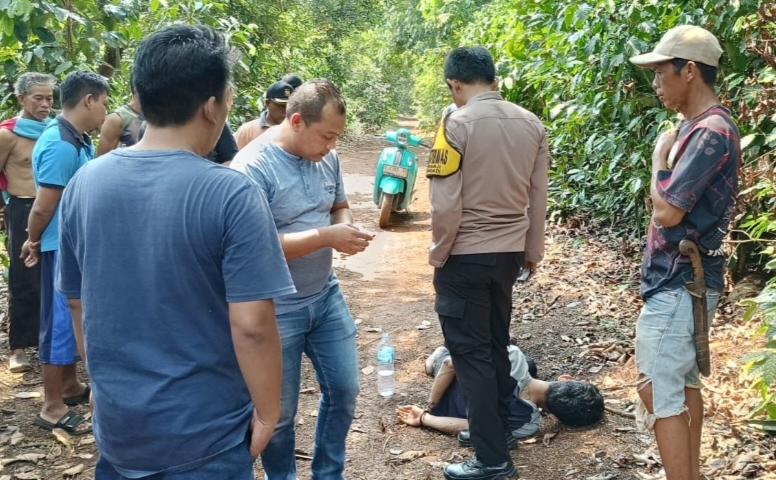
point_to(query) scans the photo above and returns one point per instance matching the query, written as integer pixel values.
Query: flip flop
(19, 363)
(82, 399)
(69, 423)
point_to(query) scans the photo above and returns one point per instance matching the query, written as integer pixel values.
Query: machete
(700, 312)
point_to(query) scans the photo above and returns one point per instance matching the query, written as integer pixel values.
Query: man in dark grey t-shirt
(176, 304)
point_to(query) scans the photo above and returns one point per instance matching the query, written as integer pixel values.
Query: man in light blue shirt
(296, 166)
(61, 150)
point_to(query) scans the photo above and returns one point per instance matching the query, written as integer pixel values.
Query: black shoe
(473, 469)
(465, 440)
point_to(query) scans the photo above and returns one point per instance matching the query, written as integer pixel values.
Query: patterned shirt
(704, 183)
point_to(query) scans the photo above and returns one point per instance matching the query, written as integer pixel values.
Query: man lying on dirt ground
(178, 319)
(35, 92)
(692, 199)
(296, 166)
(574, 403)
(62, 149)
(488, 163)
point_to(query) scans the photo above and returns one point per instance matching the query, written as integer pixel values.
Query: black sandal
(82, 399)
(69, 423)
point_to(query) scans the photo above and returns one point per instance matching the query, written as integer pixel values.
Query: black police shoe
(473, 469)
(465, 440)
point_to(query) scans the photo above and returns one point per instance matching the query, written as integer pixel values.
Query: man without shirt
(296, 166)
(183, 349)
(61, 150)
(18, 135)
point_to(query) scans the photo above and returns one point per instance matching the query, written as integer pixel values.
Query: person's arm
(446, 425)
(701, 156)
(68, 278)
(446, 183)
(258, 350)
(341, 213)
(76, 311)
(7, 144)
(43, 209)
(666, 214)
(444, 378)
(110, 134)
(537, 207)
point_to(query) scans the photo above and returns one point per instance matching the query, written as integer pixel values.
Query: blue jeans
(326, 333)
(235, 463)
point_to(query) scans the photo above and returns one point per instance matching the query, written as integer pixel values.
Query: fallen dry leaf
(62, 436)
(410, 455)
(16, 437)
(358, 429)
(565, 338)
(547, 438)
(72, 472)
(28, 395)
(308, 390)
(33, 475)
(368, 370)
(373, 330)
(395, 451)
(313, 413)
(423, 327)
(87, 440)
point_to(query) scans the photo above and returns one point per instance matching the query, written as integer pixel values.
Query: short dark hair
(177, 69)
(708, 73)
(470, 65)
(79, 84)
(576, 404)
(311, 98)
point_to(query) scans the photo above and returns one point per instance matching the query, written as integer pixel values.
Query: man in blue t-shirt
(693, 191)
(175, 304)
(61, 150)
(295, 164)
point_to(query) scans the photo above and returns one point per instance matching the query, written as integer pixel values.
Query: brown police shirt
(488, 165)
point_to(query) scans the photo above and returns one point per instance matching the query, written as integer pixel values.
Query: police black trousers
(474, 304)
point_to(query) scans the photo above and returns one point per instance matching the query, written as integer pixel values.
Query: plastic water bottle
(385, 354)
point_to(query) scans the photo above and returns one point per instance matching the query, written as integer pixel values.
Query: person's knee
(645, 393)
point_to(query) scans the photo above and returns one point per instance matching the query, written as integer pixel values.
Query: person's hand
(260, 434)
(409, 415)
(31, 253)
(348, 239)
(664, 143)
(530, 266)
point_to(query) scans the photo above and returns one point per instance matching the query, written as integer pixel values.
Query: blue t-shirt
(155, 278)
(301, 194)
(704, 183)
(58, 154)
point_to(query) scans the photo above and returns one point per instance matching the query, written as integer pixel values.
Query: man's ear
(692, 70)
(209, 110)
(296, 120)
(88, 101)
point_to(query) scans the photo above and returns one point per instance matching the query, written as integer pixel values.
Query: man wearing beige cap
(693, 190)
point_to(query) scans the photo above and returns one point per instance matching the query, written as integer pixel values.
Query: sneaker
(19, 363)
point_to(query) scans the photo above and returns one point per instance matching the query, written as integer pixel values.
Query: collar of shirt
(85, 139)
(485, 96)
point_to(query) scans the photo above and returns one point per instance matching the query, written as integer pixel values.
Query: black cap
(279, 92)
(293, 79)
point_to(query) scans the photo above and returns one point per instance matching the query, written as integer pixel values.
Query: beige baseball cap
(685, 41)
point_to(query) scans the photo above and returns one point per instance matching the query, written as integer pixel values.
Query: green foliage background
(565, 61)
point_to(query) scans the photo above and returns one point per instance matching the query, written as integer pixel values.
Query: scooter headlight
(402, 138)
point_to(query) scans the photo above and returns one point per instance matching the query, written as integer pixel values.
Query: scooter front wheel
(386, 206)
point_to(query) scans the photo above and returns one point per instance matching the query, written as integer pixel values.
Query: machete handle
(689, 249)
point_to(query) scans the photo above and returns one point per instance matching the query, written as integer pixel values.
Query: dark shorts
(57, 338)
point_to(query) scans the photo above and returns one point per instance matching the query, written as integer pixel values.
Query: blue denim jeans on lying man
(326, 333)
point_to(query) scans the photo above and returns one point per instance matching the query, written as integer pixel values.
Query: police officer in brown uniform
(487, 166)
